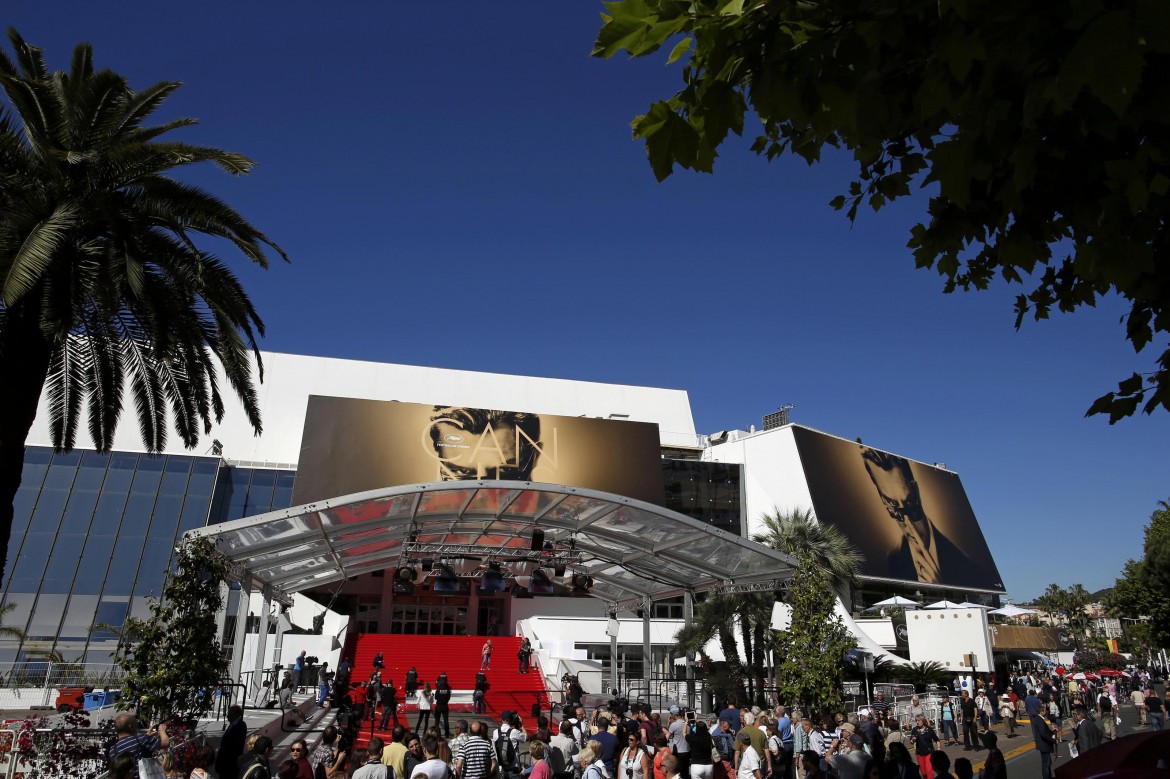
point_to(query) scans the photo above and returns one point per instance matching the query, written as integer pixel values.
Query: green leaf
(680, 49)
(669, 139)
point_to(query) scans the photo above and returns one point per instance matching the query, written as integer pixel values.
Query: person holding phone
(699, 740)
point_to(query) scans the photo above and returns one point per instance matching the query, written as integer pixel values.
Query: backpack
(557, 762)
(505, 749)
(1106, 704)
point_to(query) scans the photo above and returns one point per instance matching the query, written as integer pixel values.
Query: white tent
(896, 602)
(945, 604)
(1011, 610)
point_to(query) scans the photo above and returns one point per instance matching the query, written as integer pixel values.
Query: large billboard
(912, 522)
(351, 445)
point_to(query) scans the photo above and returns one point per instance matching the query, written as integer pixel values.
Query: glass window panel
(155, 562)
(33, 475)
(166, 516)
(22, 602)
(148, 473)
(62, 471)
(489, 501)
(47, 516)
(108, 515)
(281, 497)
(442, 503)
(79, 512)
(176, 476)
(22, 507)
(92, 472)
(95, 559)
(66, 553)
(138, 510)
(34, 553)
(240, 478)
(111, 613)
(531, 502)
(41, 455)
(46, 616)
(194, 513)
(121, 472)
(127, 555)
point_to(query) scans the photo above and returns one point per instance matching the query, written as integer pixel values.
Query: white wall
(945, 635)
(773, 475)
(291, 378)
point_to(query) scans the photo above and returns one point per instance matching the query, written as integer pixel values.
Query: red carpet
(459, 657)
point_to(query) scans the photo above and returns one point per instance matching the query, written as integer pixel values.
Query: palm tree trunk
(745, 630)
(731, 655)
(24, 363)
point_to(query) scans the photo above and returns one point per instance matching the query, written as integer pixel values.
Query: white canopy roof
(631, 549)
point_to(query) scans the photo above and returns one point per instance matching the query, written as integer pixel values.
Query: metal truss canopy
(631, 549)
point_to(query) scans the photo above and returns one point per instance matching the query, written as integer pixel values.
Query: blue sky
(457, 186)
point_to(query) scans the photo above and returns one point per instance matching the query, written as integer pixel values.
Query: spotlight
(582, 583)
(405, 573)
(493, 579)
(537, 540)
(540, 583)
(445, 580)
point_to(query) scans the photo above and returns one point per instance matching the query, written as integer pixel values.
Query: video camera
(312, 660)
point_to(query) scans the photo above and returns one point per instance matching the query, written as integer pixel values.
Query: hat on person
(848, 727)
(675, 710)
(745, 737)
(1005, 697)
(863, 712)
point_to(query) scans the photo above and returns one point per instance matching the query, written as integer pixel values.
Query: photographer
(635, 760)
(699, 740)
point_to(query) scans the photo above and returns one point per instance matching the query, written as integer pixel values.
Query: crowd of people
(620, 741)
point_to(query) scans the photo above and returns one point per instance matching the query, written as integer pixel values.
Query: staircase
(459, 657)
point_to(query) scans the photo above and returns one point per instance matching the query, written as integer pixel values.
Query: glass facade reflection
(707, 491)
(93, 536)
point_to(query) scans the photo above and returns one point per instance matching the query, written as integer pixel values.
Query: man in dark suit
(1086, 734)
(1045, 743)
(231, 746)
(925, 554)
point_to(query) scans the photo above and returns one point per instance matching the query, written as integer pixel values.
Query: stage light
(405, 573)
(540, 584)
(537, 540)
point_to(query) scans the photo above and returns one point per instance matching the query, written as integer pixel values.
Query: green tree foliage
(715, 618)
(102, 283)
(810, 665)
(1140, 592)
(172, 660)
(1040, 129)
(810, 654)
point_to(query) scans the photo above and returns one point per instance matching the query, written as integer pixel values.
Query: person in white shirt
(749, 759)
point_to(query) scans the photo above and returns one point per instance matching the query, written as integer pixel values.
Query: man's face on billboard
(899, 494)
(478, 455)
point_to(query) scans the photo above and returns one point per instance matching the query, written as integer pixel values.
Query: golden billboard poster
(352, 445)
(911, 521)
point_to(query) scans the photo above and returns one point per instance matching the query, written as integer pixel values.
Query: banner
(911, 522)
(351, 445)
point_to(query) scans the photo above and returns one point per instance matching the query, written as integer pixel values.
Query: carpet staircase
(459, 657)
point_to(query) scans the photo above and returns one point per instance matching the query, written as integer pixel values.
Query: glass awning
(629, 548)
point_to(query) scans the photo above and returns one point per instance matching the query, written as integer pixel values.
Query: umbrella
(969, 605)
(1060, 671)
(943, 604)
(1081, 676)
(1012, 610)
(897, 602)
(1140, 750)
(1108, 672)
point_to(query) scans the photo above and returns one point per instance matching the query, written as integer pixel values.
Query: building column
(242, 602)
(647, 657)
(688, 618)
(613, 652)
(256, 689)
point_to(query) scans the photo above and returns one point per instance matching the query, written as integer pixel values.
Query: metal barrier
(46, 674)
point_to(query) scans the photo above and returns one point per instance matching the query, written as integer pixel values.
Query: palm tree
(923, 674)
(715, 618)
(797, 533)
(101, 282)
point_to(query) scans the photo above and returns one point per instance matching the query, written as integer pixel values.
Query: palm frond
(36, 253)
